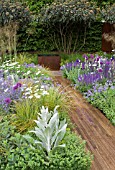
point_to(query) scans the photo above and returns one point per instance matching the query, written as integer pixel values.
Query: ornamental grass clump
(33, 98)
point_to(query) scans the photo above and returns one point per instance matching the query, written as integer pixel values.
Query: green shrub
(27, 58)
(12, 16)
(65, 18)
(13, 12)
(17, 153)
(108, 13)
(34, 38)
(105, 102)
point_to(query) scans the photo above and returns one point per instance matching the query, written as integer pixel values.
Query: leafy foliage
(34, 5)
(67, 11)
(105, 102)
(93, 41)
(64, 18)
(103, 3)
(13, 12)
(36, 37)
(49, 131)
(17, 153)
(108, 14)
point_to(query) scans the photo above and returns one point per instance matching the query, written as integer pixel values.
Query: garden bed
(95, 78)
(34, 132)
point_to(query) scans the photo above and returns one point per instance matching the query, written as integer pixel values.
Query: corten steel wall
(106, 46)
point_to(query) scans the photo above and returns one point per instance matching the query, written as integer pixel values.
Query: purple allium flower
(101, 62)
(19, 84)
(7, 100)
(97, 59)
(91, 56)
(100, 70)
(15, 87)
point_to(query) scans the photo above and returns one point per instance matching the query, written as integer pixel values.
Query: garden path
(93, 126)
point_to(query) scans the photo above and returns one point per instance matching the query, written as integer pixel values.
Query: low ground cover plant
(30, 152)
(95, 78)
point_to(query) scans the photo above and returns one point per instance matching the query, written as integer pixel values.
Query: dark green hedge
(35, 38)
(40, 40)
(93, 38)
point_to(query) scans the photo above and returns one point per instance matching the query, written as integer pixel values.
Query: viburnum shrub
(66, 19)
(13, 12)
(12, 15)
(108, 13)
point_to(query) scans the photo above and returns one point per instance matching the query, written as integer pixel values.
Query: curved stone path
(93, 126)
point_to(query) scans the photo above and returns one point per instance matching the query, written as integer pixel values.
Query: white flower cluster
(34, 91)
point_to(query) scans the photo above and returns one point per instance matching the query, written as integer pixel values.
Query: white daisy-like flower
(13, 64)
(6, 90)
(37, 96)
(38, 72)
(28, 89)
(42, 87)
(28, 72)
(37, 81)
(6, 71)
(27, 93)
(45, 93)
(30, 97)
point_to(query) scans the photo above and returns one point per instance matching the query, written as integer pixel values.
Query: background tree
(13, 15)
(66, 19)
